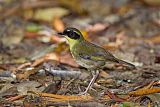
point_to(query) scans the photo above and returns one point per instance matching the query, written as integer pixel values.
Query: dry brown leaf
(110, 46)
(23, 65)
(25, 74)
(114, 97)
(155, 39)
(47, 14)
(152, 2)
(65, 97)
(114, 45)
(67, 59)
(141, 92)
(104, 74)
(58, 24)
(56, 39)
(124, 9)
(73, 5)
(51, 56)
(96, 27)
(32, 35)
(15, 98)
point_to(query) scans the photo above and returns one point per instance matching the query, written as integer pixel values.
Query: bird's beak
(60, 33)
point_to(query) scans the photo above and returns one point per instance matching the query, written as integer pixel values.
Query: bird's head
(73, 35)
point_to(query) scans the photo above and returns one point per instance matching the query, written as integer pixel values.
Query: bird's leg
(95, 75)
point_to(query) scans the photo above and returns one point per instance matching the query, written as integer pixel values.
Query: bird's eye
(73, 35)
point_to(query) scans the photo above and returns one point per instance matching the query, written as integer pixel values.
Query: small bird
(89, 55)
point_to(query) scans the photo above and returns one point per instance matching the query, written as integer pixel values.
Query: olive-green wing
(93, 52)
(93, 56)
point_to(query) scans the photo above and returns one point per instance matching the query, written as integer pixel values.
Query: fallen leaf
(97, 27)
(104, 74)
(56, 39)
(42, 52)
(32, 35)
(65, 97)
(47, 14)
(14, 38)
(114, 97)
(25, 74)
(68, 59)
(58, 24)
(118, 42)
(155, 39)
(26, 86)
(124, 9)
(32, 28)
(15, 98)
(73, 5)
(51, 56)
(28, 14)
(152, 2)
(141, 92)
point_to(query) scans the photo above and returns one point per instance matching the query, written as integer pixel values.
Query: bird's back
(90, 56)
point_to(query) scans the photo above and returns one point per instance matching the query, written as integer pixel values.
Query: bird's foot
(91, 83)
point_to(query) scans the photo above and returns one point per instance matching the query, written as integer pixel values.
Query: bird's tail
(129, 65)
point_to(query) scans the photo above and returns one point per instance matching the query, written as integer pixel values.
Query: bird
(88, 55)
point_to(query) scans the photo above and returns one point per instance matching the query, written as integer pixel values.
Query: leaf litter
(37, 69)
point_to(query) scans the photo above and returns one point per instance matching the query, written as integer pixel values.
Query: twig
(66, 98)
(142, 91)
(114, 97)
(61, 73)
(23, 65)
(15, 98)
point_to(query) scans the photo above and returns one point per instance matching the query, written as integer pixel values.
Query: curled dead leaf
(58, 24)
(141, 92)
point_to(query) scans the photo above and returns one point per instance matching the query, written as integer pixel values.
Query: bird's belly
(85, 64)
